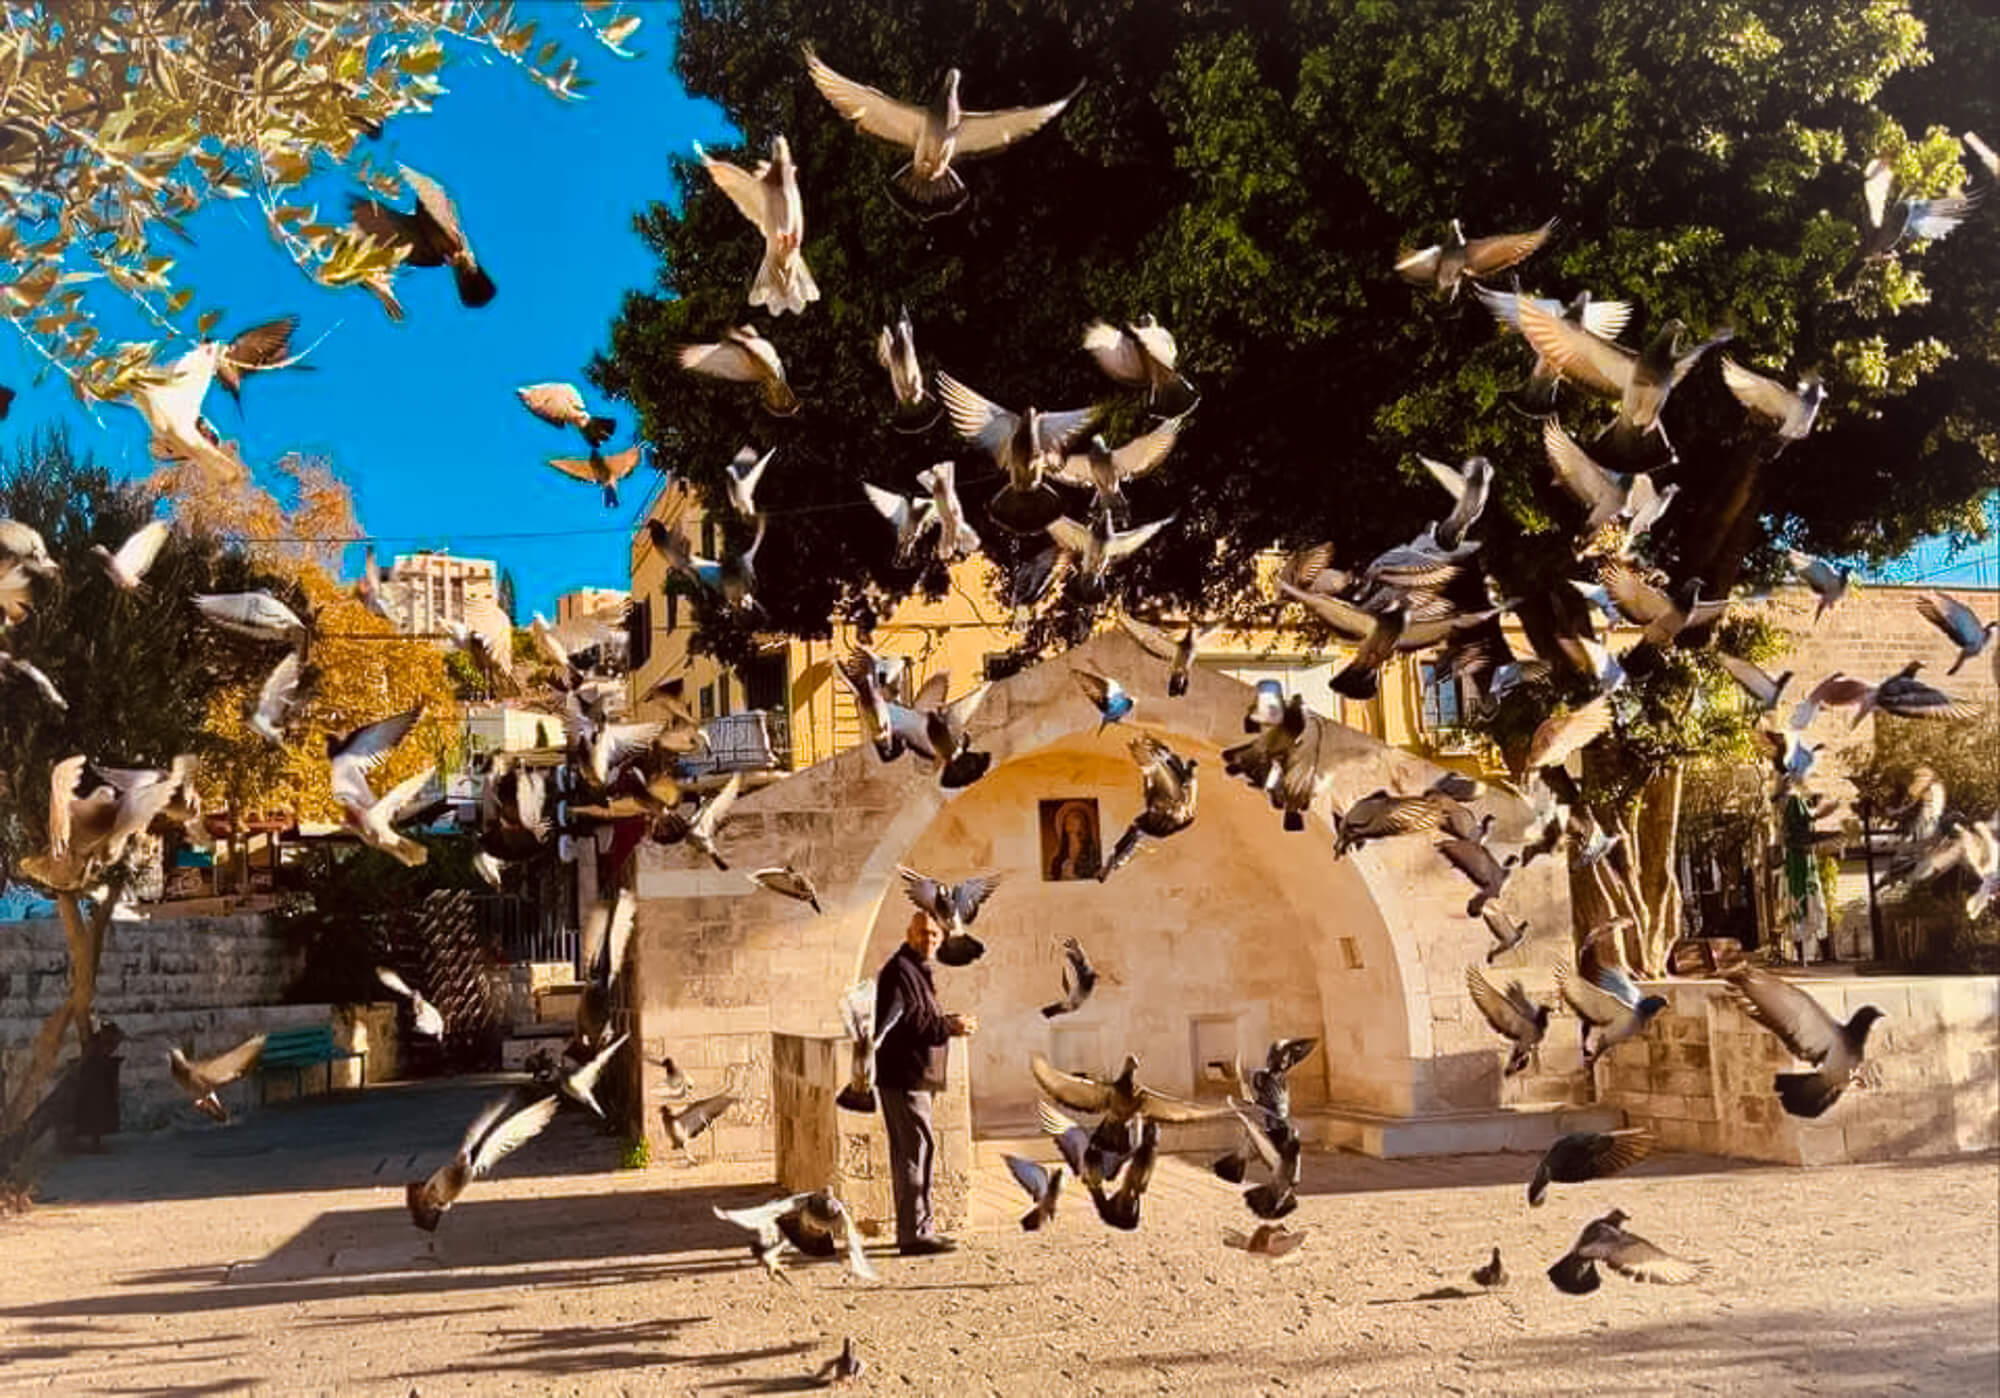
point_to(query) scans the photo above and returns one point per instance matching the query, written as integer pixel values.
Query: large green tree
(1248, 173)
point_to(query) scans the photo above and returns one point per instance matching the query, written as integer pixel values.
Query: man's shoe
(927, 1247)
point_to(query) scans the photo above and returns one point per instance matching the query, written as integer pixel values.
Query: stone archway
(1368, 953)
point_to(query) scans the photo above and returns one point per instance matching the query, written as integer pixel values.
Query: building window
(1442, 713)
(673, 597)
(707, 702)
(722, 694)
(639, 633)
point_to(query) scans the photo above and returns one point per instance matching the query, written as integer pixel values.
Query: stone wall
(1233, 931)
(819, 1146)
(1701, 1079)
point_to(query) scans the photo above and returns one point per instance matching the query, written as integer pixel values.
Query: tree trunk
(86, 952)
(1658, 835)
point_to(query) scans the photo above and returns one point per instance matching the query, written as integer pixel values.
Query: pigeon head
(1616, 1218)
(781, 151)
(1128, 1072)
(1542, 1013)
(1649, 1007)
(948, 89)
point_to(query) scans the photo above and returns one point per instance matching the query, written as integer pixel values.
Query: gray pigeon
(494, 1133)
(1469, 485)
(1514, 1017)
(1892, 222)
(1793, 410)
(200, 1080)
(1444, 265)
(1044, 1186)
(1168, 785)
(689, 1122)
(1507, 933)
(1906, 696)
(1079, 979)
(1588, 1155)
(1609, 1006)
(1488, 873)
(1605, 1240)
(1491, 1274)
(953, 907)
(1960, 624)
(1828, 582)
(1836, 1050)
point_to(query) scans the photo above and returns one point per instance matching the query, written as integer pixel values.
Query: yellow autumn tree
(359, 668)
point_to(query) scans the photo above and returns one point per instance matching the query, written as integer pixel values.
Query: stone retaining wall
(819, 1146)
(1701, 1079)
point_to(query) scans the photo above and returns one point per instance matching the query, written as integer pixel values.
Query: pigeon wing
(871, 109)
(137, 553)
(259, 347)
(513, 1133)
(982, 133)
(579, 467)
(367, 745)
(1787, 1011)
(1115, 352)
(975, 417)
(1640, 1260)
(228, 1067)
(1578, 355)
(969, 895)
(716, 809)
(1500, 251)
(1586, 481)
(744, 189)
(722, 360)
(1125, 544)
(1157, 642)
(695, 1120)
(1077, 1093)
(1591, 1002)
(1500, 1009)
(1030, 1176)
(1146, 451)
(1159, 1106)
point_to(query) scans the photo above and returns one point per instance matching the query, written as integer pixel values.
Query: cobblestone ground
(275, 1256)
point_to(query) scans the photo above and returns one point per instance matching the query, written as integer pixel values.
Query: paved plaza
(275, 1256)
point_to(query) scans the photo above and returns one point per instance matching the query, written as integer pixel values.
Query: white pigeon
(275, 700)
(127, 567)
(911, 517)
(34, 676)
(581, 1085)
(368, 588)
(744, 356)
(956, 538)
(424, 1016)
(769, 197)
(351, 759)
(257, 615)
(172, 409)
(740, 478)
(1096, 550)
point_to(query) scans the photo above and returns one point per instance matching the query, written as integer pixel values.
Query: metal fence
(526, 930)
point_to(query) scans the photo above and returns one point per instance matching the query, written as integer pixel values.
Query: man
(909, 1065)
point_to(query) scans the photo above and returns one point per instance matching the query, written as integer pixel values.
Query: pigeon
(1791, 759)
(16, 594)
(1640, 381)
(1478, 863)
(494, 1133)
(707, 822)
(769, 197)
(368, 588)
(786, 880)
(672, 1078)
(1104, 471)
(1120, 1209)
(258, 615)
(1142, 355)
(1805, 1028)
(843, 1368)
(1382, 815)
(689, 1122)
(1894, 222)
(1468, 485)
(1444, 265)
(1959, 623)
(956, 538)
(936, 135)
(424, 1016)
(1605, 1240)
(1120, 1099)
(1793, 410)
(1560, 736)
(1588, 1155)
(954, 908)
(262, 347)
(1763, 689)
(1044, 1186)
(1094, 550)
(1836, 691)
(1514, 1017)
(1081, 1153)
(1269, 1091)
(744, 356)
(1609, 1006)
(896, 351)
(815, 1224)
(1027, 446)
(1032, 581)
(939, 731)
(200, 1080)
(22, 545)
(1986, 155)
(1272, 1240)
(171, 405)
(1604, 319)
(1167, 784)
(857, 1013)
(1490, 1274)
(1906, 696)
(1605, 495)
(1828, 582)
(740, 479)
(355, 755)
(600, 470)
(1278, 1196)
(580, 1085)
(32, 673)
(561, 405)
(127, 567)
(911, 518)
(1079, 979)
(431, 236)
(1283, 761)
(1507, 933)
(1106, 695)
(1591, 846)
(1179, 654)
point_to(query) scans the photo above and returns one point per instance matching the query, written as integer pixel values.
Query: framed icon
(1071, 847)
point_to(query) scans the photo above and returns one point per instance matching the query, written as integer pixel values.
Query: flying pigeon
(1382, 815)
(1604, 319)
(1488, 873)
(1044, 1186)
(1027, 446)
(1837, 691)
(1762, 688)
(494, 1133)
(786, 880)
(740, 479)
(1271, 1240)
(1609, 1006)
(358, 753)
(257, 615)
(1094, 550)
(127, 567)
(1278, 1196)
(1805, 1028)
(263, 347)
(580, 1084)
(1079, 979)
(23, 545)
(1105, 471)
(1893, 222)
(1179, 654)
(601, 470)
(857, 1014)
(896, 351)
(1507, 933)
(1106, 695)
(936, 135)
(700, 832)
(744, 356)
(954, 908)
(1444, 265)
(561, 405)
(1829, 583)
(1120, 1209)
(1793, 410)
(911, 517)
(1605, 1240)
(815, 1224)
(956, 538)
(171, 407)
(1514, 1017)
(769, 197)
(16, 594)
(1468, 486)
(200, 1080)
(1606, 496)
(368, 588)
(1588, 1155)
(1986, 155)
(1641, 382)
(32, 673)
(938, 731)
(1959, 623)
(1120, 1099)
(1142, 355)
(424, 1016)
(431, 236)
(1906, 696)
(1167, 784)
(689, 1122)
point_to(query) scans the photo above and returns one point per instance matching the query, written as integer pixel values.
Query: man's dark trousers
(912, 1147)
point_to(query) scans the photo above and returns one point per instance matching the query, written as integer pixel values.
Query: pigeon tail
(1177, 685)
(1025, 511)
(965, 768)
(920, 416)
(1575, 1275)
(475, 288)
(720, 862)
(941, 194)
(1295, 821)
(1269, 1201)
(1173, 397)
(961, 949)
(423, 1212)
(597, 431)
(1809, 1094)
(1060, 1007)
(1230, 1167)
(610, 496)
(1032, 1219)
(778, 398)
(1355, 683)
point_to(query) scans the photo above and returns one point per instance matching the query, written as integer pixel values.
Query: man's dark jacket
(912, 1056)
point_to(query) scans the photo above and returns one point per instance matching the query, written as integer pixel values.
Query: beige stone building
(428, 589)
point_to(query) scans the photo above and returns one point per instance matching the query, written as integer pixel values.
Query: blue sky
(420, 417)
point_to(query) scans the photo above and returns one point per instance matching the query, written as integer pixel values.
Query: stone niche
(819, 1146)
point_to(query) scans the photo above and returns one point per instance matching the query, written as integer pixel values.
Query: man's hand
(962, 1026)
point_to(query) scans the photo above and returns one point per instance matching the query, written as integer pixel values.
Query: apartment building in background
(428, 589)
(590, 604)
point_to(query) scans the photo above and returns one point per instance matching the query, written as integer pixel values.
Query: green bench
(296, 1050)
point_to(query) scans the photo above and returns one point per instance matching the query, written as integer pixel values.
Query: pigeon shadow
(580, 1349)
(1442, 1293)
